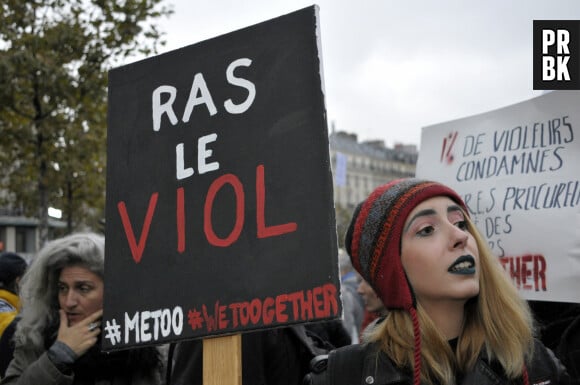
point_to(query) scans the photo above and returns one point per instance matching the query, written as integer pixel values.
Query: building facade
(19, 233)
(359, 167)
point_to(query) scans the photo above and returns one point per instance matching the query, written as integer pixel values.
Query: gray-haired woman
(56, 340)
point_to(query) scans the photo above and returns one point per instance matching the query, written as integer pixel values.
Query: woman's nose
(71, 299)
(459, 237)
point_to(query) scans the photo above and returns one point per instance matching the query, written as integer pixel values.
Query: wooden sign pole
(222, 360)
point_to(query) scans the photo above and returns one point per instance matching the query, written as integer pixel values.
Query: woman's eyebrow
(78, 283)
(453, 208)
(421, 213)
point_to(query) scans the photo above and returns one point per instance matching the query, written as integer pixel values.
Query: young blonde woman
(453, 315)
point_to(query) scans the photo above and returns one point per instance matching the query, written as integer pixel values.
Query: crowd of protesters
(421, 306)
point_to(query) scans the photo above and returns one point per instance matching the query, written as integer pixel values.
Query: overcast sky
(392, 67)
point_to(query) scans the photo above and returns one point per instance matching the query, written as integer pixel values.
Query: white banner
(518, 169)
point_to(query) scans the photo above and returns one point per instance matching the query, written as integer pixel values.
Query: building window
(25, 240)
(2, 238)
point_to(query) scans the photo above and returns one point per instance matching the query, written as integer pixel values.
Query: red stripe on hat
(393, 286)
(389, 230)
(362, 218)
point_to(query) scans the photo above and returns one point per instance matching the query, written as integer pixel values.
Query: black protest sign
(219, 192)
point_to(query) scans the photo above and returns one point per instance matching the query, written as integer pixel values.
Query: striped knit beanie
(373, 241)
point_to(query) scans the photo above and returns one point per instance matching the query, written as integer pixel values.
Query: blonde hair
(497, 320)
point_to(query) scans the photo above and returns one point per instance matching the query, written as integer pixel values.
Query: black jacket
(364, 364)
(278, 356)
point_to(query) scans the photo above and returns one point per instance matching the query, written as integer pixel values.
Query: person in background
(374, 307)
(454, 316)
(568, 350)
(58, 333)
(353, 306)
(12, 268)
(558, 325)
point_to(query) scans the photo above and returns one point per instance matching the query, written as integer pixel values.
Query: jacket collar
(378, 369)
(11, 298)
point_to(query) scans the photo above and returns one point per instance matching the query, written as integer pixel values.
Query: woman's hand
(81, 336)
